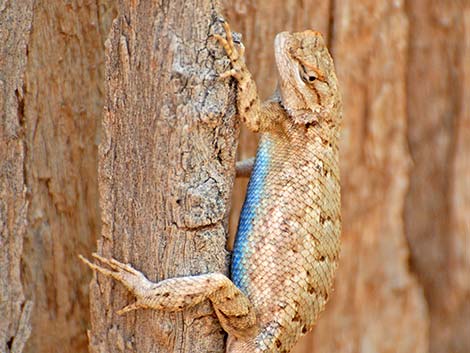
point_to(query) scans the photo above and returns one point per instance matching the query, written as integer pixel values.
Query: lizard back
(288, 238)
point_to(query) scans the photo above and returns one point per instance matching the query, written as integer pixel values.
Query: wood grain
(166, 169)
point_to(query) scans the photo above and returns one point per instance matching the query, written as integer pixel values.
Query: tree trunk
(63, 107)
(396, 68)
(165, 170)
(437, 210)
(52, 73)
(15, 310)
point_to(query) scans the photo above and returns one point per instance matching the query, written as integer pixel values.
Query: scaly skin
(287, 245)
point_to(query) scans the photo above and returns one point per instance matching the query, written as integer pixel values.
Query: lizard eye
(307, 77)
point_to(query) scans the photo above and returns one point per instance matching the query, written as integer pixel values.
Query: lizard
(288, 240)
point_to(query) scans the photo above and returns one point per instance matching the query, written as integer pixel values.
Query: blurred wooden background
(404, 68)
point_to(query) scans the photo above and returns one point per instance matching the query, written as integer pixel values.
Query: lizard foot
(235, 55)
(132, 279)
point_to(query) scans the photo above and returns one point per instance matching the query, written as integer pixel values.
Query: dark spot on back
(296, 317)
(294, 248)
(284, 226)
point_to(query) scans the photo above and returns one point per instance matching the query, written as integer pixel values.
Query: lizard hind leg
(232, 307)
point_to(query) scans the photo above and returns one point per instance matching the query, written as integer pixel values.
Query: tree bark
(166, 169)
(437, 208)
(15, 309)
(52, 92)
(63, 107)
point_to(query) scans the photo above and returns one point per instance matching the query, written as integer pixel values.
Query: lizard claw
(130, 307)
(116, 265)
(126, 274)
(235, 55)
(230, 73)
(97, 268)
(132, 279)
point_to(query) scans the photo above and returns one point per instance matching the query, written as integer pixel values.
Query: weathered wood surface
(166, 163)
(403, 282)
(52, 66)
(63, 106)
(15, 308)
(437, 216)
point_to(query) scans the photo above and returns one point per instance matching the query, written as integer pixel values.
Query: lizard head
(308, 85)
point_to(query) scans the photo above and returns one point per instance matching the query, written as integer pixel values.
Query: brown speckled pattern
(288, 241)
(293, 246)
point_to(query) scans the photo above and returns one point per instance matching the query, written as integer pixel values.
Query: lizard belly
(285, 251)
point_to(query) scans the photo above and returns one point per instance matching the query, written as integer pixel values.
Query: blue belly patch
(241, 251)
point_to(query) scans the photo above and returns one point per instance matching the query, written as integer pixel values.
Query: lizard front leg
(232, 308)
(258, 117)
(243, 168)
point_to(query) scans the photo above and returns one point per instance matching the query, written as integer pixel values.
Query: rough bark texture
(63, 106)
(165, 170)
(52, 93)
(15, 310)
(166, 167)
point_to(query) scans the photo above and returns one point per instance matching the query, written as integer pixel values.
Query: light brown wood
(394, 73)
(437, 214)
(63, 100)
(15, 306)
(166, 169)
